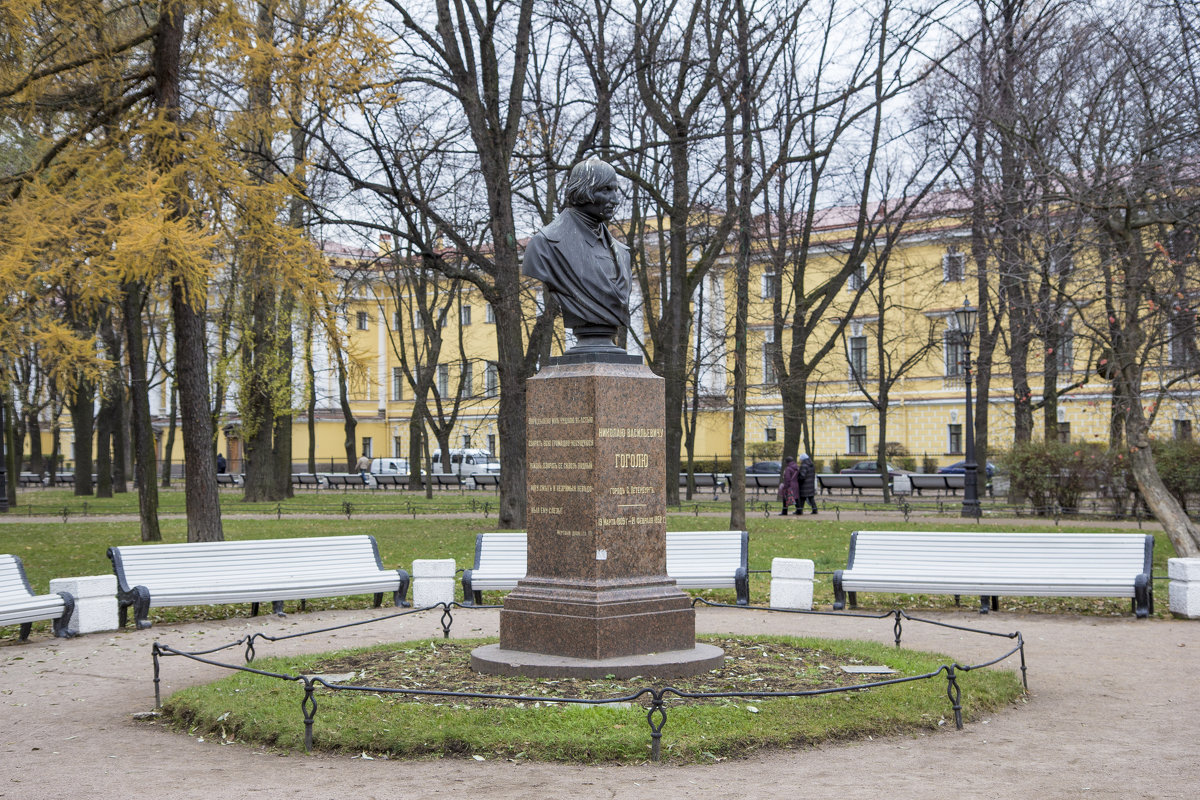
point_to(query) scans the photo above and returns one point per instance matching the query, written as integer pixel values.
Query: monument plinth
(596, 596)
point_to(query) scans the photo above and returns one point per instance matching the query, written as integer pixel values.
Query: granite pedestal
(596, 585)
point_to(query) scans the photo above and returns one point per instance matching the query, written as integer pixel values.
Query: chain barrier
(656, 715)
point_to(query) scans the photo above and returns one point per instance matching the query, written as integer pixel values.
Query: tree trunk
(83, 397)
(104, 435)
(169, 444)
(133, 299)
(200, 464)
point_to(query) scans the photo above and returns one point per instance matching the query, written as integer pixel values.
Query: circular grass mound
(256, 709)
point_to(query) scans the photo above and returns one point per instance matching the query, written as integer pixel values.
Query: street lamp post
(967, 317)
(4, 476)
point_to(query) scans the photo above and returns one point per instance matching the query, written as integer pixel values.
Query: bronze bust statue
(582, 265)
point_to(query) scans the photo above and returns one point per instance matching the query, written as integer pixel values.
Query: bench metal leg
(254, 609)
(141, 607)
(277, 608)
(853, 599)
(402, 593)
(26, 627)
(741, 582)
(60, 624)
(470, 598)
(1143, 597)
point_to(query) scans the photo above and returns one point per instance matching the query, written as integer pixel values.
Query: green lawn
(51, 547)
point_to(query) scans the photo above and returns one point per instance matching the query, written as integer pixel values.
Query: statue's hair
(584, 178)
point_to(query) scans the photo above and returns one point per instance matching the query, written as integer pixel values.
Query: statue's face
(605, 199)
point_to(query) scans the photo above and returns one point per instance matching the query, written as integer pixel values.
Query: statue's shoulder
(559, 228)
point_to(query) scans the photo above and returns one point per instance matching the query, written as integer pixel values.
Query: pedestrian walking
(808, 484)
(789, 486)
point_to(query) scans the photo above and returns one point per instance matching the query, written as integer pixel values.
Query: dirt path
(1114, 712)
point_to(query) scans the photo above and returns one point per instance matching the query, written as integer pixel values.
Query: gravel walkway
(1113, 712)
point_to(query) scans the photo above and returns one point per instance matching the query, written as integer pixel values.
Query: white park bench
(995, 564)
(827, 482)
(695, 559)
(706, 480)
(344, 480)
(937, 481)
(253, 571)
(20, 606)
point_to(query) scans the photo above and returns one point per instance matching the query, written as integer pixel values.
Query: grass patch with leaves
(253, 709)
(53, 549)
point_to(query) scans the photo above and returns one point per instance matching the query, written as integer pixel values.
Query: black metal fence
(656, 697)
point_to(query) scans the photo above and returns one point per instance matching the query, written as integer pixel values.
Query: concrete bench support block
(1184, 591)
(792, 583)
(95, 602)
(433, 581)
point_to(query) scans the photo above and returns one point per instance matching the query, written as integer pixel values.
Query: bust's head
(592, 188)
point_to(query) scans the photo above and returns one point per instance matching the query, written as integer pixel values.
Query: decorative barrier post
(433, 581)
(1184, 591)
(95, 602)
(792, 583)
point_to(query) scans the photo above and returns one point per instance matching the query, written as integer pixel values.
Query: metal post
(4, 476)
(966, 317)
(970, 505)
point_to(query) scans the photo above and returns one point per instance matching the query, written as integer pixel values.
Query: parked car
(467, 462)
(959, 467)
(765, 468)
(870, 468)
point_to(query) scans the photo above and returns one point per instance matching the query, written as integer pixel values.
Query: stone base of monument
(493, 660)
(596, 599)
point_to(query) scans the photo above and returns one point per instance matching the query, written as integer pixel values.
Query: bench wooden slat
(995, 564)
(252, 571)
(695, 559)
(20, 606)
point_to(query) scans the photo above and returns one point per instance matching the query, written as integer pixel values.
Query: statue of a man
(581, 264)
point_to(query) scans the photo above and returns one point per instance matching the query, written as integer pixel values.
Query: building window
(395, 320)
(397, 383)
(492, 443)
(856, 440)
(489, 314)
(953, 265)
(1066, 352)
(770, 284)
(466, 440)
(366, 446)
(770, 348)
(467, 387)
(362, 320)
(443, 380)
(952, 345)
(956, 439)
(491, 379)
(1182, 332)
(858, 278)
(1061, 261)
(465, 315)
(771, 434)
(1064, 432)
(417, 322)
(397, 447)
(1183, 429)
(858, 357)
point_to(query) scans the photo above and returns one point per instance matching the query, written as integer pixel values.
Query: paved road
(1114, 712)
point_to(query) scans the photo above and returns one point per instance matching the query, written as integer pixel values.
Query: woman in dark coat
(808, 484)
(789, 486)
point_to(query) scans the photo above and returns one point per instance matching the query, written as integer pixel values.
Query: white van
(389, 466)
(467, 462)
